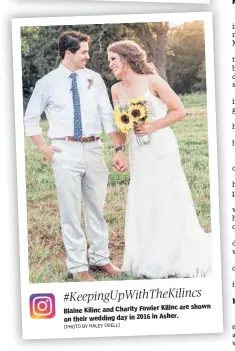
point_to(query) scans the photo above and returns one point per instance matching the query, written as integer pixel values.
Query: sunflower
(137, 112)
(122, 120)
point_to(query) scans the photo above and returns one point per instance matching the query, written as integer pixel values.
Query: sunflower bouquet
(128, 114)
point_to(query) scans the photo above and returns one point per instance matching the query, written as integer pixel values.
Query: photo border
(209, 285)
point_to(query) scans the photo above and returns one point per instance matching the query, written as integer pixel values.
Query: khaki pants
(81, 176)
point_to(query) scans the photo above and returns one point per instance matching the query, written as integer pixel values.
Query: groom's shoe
(108, 268)
(83, 276)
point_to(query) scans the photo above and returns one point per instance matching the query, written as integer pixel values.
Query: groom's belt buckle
(82, 140)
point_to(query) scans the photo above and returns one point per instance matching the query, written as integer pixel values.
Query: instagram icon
(42, 306)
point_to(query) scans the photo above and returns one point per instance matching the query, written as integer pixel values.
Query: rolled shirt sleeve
(34, 110)
(105, 108)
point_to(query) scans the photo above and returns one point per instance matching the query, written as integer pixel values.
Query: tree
(186, 56)
(40, 51)
(178, 52)
(152, 36)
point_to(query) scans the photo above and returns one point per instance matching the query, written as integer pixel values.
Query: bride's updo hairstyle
(133, 54)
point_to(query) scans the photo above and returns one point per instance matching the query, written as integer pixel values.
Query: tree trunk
(154, 44)
(161, 52)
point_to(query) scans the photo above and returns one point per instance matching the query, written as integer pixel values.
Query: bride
(163, 236)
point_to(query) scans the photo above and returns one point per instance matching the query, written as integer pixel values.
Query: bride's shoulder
(157, 83)
(116, 86)
(115, 89)
(155, 79)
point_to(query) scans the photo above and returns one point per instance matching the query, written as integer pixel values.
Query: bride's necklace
(130, 89)
(129, 86)
(126, 85)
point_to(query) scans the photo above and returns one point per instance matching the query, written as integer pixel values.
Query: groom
(76, 104)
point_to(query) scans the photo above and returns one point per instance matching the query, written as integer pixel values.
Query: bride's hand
(120, 162)
(144, 129)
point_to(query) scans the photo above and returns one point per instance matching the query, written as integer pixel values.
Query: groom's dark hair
(71, 41)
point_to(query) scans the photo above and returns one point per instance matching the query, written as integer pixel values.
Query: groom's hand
(48, 151)
(120, 161)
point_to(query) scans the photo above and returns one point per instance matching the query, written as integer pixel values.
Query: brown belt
(82, 140)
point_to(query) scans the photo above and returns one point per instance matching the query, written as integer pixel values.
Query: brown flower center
(135, 113)
(125, 119)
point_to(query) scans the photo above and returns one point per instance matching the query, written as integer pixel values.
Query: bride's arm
(176, 111)
(114, 93)
(119, 158)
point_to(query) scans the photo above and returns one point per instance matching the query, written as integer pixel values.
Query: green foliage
(40, 51)
(177, 52)
(201, 75)
(186, 58)
(195, 100)
(118, 178)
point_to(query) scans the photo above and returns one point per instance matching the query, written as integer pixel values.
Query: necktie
(76, 108)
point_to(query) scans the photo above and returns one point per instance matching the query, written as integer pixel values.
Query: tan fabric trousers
(81, 176)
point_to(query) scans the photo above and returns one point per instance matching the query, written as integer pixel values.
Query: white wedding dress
(163, 236)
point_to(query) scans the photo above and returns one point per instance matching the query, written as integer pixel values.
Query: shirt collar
(66, 72)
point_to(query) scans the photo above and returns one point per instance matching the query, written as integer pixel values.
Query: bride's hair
(133, 54)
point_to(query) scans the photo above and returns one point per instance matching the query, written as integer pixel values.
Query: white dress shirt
(53, 95)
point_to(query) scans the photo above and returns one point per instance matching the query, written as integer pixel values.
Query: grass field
(46, 251)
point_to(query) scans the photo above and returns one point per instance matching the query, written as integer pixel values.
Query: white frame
(190, 322)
